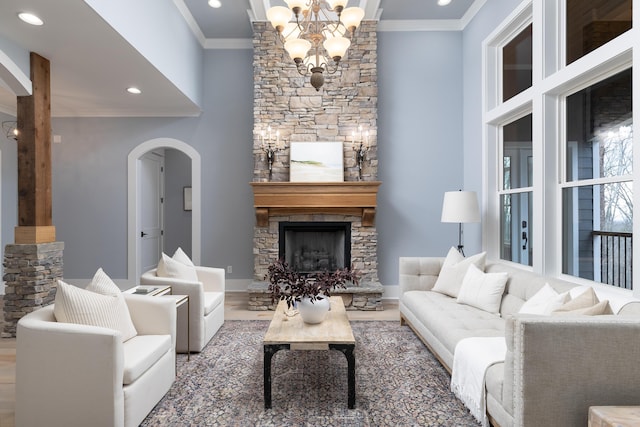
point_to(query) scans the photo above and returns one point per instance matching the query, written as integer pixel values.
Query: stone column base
(31, 272)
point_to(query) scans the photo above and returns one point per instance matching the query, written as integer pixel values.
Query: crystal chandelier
(315, 41)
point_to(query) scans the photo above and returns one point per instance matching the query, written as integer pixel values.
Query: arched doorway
(133, 205)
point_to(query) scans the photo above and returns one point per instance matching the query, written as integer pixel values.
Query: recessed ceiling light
(30, 18)
(134, 90)
(215, 3)
(443, 2)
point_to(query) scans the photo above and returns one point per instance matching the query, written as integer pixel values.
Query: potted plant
(310, 292)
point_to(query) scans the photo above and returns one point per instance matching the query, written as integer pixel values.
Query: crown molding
(420, 25)
(191, 22)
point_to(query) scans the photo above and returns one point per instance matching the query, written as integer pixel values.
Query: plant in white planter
(312, 289)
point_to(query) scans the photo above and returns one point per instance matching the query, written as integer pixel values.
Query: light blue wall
(8, 185)
(166, 41)
(90, 174)
(177, 221)
(419, 143)
(488, 18)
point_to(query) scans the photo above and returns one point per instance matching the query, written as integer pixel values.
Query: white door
(151, 209)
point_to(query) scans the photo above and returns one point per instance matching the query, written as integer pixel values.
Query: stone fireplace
(286, 102)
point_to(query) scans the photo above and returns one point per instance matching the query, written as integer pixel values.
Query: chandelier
(314, 36)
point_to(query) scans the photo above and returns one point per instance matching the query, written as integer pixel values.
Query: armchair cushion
(212, 300)
(141, 353)
(80, 306)
(180, 256)
(169, 267)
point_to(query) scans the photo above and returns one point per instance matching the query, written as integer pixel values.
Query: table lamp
(461, 207)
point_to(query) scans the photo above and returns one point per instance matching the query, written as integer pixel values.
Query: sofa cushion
(454, 269)
(141, 353)
(449, 321)
(544, 301)
(598, 309)
(212, 300)
(482, 290)
(102, 284)
(169, 267)
(80, 306)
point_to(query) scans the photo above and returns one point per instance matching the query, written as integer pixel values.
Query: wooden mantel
(289, 198)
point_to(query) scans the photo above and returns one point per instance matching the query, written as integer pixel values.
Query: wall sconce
(361, 149)
(10, 129)
(271, 145)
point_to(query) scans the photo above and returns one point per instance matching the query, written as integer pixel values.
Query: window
(516, 64)
(558, 140)
(597, 204)
(592, 23)
(516, 193)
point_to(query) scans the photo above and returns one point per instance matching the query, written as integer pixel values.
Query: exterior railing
(616, 258)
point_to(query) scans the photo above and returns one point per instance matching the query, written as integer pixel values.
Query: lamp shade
(336, 47)
(460, 206)
(301, 4)
(297, 48)
(351, 17)
(337, 3)
(279, 16)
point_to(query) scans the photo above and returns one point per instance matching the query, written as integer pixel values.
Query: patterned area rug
(398, 383)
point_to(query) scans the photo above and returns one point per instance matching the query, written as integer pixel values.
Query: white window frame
(552, 82)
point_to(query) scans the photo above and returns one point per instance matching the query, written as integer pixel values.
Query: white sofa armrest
(419, 273)
(212, 278)
(63, 365)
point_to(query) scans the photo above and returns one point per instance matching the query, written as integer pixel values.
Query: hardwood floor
(235, 309)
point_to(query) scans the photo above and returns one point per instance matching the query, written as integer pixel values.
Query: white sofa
(206, 303)
(555, 367)
(70, 375)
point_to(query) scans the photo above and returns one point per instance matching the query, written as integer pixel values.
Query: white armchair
(71, 375)
(206, 303)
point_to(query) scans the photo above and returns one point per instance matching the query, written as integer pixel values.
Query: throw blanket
(471, 359)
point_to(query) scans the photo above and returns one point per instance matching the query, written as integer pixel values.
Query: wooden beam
(34, 156)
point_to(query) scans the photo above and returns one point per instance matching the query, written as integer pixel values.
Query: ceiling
(92, 64)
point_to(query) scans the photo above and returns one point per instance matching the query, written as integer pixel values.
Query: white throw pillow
(80, 306)
(102, 284)
(180, 256)
(169, 267)
(454, 269)
(483, 290)
(544, 301)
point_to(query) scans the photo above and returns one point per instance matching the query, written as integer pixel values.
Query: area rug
(398, 383)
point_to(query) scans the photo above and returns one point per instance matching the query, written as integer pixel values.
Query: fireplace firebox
(311, 247)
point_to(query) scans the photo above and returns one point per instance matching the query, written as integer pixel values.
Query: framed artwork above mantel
(316, 162)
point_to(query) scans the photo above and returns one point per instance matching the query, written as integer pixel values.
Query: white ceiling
(92, 64)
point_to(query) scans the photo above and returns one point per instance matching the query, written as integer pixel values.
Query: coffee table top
(334, 329)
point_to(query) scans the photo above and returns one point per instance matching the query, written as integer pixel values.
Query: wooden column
(34, 158)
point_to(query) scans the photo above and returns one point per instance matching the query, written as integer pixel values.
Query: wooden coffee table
(291, 333)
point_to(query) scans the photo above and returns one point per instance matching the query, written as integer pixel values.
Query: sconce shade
(460, 207)
(279, 16)
(297, 48)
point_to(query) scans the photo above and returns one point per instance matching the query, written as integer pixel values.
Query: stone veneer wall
(287, 102)
(31, 272)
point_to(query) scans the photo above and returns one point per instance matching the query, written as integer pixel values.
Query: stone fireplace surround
(287, 102)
